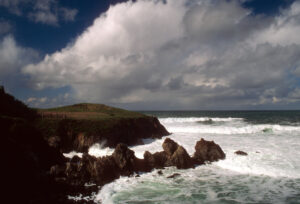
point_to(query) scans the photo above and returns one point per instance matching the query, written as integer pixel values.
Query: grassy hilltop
(88, 111)
(79, 126)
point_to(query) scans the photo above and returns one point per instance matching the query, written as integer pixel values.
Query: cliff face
(79, 135)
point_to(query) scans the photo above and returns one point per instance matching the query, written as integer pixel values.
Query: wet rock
(54, 141)
(174, 175)
(181, 159)
(239, 152)
(124, 159)
(75, 159)
(169, 146)
(123, 162)
(156, 160)
(207, 151)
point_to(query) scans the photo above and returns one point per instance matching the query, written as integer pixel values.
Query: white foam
(229, 130)
(197, 119)
(98, 150)
(72, 154)
(269, 174)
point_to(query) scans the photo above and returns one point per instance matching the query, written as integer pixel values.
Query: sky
(152, 54)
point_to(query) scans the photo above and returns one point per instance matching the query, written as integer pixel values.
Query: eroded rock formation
(123, 162)
(207, 151)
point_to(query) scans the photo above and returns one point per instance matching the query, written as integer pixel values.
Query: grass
(88, 111)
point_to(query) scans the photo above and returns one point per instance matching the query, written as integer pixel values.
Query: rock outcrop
(207, 151)
(242, 153)
(80, 134)
(123, 162)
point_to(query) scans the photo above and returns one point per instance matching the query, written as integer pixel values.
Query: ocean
(269, 174)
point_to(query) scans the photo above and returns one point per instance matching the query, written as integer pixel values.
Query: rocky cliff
(77, 128)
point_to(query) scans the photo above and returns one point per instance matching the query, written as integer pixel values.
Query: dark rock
(174, 175)
(124, 159)
(123, 162)
(176, 155)
(106, 170)
(54, 141)
(207, 151)
(75, 159)
(181, 159)
(239, 152)
(156, 160)
(76, 135)
(169, 146)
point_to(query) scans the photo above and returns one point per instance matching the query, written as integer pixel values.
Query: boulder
(239, 152)
(207, 151)
(156, 160)
(124, 159)
(174, 175)
(181, 159)
(169, 146)
(176, 155)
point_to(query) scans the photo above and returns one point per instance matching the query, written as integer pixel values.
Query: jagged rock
(54, 141)
(173, 175)
(169, 146)
(123, 162)
(176, 155)
(239, 152)
(173, 155)
(124, 158)
(75, 159)
(207, 151)
(156, 160)
(107, 170)
(160, 172)
(181, 159)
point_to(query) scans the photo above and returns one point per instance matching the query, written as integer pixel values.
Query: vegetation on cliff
(79, 126)
(89, 111)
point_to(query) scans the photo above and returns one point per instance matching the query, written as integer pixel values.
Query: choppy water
(269, 174)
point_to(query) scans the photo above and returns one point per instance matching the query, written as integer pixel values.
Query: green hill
(88, 111)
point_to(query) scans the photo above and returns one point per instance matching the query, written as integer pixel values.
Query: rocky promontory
(77, 127)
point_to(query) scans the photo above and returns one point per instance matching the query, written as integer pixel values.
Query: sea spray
(269, 174)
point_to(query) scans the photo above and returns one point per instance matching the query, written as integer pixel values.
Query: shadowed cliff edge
(78, 127)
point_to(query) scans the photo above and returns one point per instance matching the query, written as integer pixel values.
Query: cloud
(12, 58)
(44, 101)
(40, 11)
(180, 54)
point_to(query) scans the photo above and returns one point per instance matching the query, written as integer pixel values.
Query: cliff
(79, 126)
(27, 156)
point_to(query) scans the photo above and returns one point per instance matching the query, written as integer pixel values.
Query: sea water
(269, 174)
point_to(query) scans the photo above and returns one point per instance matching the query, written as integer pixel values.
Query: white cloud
(13, 57)
(179, 54)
